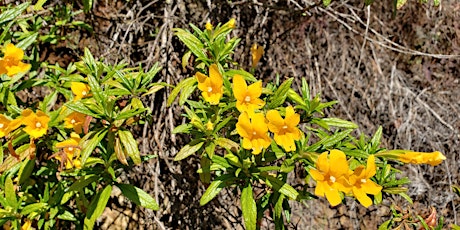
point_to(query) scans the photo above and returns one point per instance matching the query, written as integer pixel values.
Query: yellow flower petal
(362, 197)
(333, 196)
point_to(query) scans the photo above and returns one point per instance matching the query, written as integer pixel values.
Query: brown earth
(401, 72)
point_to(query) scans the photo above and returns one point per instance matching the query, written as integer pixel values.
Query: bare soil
(399, 71)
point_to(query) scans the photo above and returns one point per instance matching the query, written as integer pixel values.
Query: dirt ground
(399, 71)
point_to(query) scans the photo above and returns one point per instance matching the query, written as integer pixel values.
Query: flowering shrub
(61, 156)
(253, 137)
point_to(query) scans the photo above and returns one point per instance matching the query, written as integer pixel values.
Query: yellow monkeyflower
(36, 123)
(362, 184)
(81, 90)
(70, 152)
(331, 176)
(285, 130)
(212, 86)
(208, 26)
(256, 51)
(231, 23)
(247, 97)
(27, 225)
(209, 126)
(433, 158)
(75, 121)
(11, 63)
(7, 125)
(254, 132)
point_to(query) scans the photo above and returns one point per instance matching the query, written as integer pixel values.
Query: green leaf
(130, 144)
(281, 186)
(246, 75)
(83, 182)
(39, 5)
(214, 188)
(26, 170)
(155, 88)
(185, 59)
(87, 5)
(138, 196)
(326, 2)
(10, 194)
(385, 225)
(31, 38)
(188, 82)
(280, 94)
(329, 141)
(337, 122)
(187, 150)
(192, 42)
(78, 106)
(375, 141)
(35, 207)
(227, 143)
(88, 148)
(97, 206)
(67, 216)
(248, 207)
(11, 14)
(184, 128)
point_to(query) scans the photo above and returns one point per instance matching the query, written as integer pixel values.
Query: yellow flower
(7, 125)
(11, 63)
(208, 26)
(75, 121)
(433, 158)
(81, 90)
(331, 176)
(285, 130)
(257, 52)
(231, 23)
(209, 126)
(36, 124)
(362, 184)
(70, 150)
(254, 132)
(212, 86)
(27, 225)
(247, 97)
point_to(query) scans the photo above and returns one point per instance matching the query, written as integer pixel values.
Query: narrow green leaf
(337, 122)
(214, 188)
(246, 75)
(375, 141)
(130, 144)
(185, 59)
(26, 170)
(11, 14)
(187, 150)
(35, 207)
(178, 88)
(67, 216)
(192, 42)
(329, 141)
(153, 89)
(326, 2)
(280, 94)
(138, 196)
(187, 90)
(82, 182)
(39, 5)
(96, 207)
(88, 147)
(248, 207)
(184, 128)
(10, 194)
(227, 143)
(281, 186)
(26, 42)
(78, 106)
(87, 5)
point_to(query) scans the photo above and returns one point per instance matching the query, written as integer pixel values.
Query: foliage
(61, 156)
(255, 138)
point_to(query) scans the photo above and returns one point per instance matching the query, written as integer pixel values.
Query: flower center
(38, 125)
(285, 127)
(209, 89)
(1, 125)
(70, 149)
(73, 121)
(83, 93)
(254, 133)
(332, 178)
(247, 99)
(363, 180)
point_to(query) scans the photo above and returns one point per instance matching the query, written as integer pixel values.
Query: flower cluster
(332, 176)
